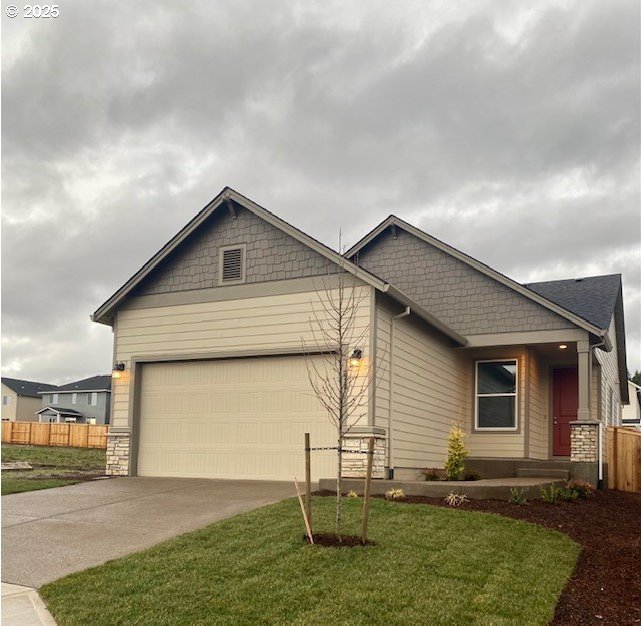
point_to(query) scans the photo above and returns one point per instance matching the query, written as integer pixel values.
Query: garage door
(237, 418)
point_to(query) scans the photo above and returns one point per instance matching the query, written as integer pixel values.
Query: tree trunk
(339, 485)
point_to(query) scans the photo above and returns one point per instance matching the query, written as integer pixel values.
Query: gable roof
(393, 222)
(101, 382)
(60, 410)
(592, 298)
(28, 388)
(226, 200)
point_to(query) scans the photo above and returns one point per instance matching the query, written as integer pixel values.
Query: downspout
(600, 464)
(405, 313)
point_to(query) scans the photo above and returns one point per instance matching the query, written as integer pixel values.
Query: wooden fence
(624, 459)
(68, 435)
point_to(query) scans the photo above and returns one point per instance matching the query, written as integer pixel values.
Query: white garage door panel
(241, 418)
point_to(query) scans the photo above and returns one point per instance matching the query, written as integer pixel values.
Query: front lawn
(52, 467)
(429, 565)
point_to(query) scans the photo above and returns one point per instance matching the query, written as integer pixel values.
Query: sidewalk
(22, 606)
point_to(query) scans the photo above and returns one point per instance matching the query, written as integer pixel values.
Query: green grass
(52, 467)
(18, 485)
(430, 565)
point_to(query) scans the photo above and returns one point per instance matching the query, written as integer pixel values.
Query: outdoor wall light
(356, 358)
(562, 346)
(118, 369)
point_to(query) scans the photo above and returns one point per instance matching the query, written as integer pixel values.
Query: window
(6, 400)
(74, 398)
(54, 398)
(232, 265)
(93, 398)
(496, 384)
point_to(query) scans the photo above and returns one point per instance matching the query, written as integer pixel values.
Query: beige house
(631, 415)
(213, 378)
(21, 399)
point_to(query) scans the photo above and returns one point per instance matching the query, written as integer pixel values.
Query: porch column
(583, 354)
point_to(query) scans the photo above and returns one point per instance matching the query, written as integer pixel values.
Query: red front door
(565, 402)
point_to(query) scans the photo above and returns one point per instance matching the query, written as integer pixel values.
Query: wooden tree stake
(368, 481)
(302, 508)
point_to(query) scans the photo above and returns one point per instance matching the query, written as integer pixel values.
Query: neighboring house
(58, 415)
(83, 401)
(632, 412)
(21, 399)
(215, 384)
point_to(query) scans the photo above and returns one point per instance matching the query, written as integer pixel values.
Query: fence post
(308, 481)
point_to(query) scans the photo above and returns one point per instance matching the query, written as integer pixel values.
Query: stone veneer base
(118, 450)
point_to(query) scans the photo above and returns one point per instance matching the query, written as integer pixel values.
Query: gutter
(405, 313)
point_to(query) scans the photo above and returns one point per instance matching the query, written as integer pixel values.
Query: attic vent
(232, 265)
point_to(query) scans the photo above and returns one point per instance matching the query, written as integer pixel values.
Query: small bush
(352, 494)
(456, 499)
(395, 494)
(456, 454)
(551, 494)
(568, 495)
(471, 475)
(433, 473)
(517, 496)
(582, 488)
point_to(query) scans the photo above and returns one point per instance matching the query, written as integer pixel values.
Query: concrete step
(543, 472)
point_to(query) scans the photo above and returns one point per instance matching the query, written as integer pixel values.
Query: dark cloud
(509, 130)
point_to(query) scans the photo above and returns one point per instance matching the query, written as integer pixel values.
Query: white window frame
(515, 395)
(74, 398)
(54, 398)
(6, 400)
(243, 264)
(93, 398)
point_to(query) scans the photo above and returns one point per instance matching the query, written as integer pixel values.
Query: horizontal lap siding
(428, 395)
(382, 398)
(610, 378)
(242, 325)
(539, 426)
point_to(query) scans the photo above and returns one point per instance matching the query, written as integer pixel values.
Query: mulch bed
(605, 585)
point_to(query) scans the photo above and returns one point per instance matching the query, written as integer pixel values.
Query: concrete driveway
(54, 532)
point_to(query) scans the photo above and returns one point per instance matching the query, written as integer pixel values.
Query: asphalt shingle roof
(593, 298)
(61, 409)
(28, 388)
(93, 383)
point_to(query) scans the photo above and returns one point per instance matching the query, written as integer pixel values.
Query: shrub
(456, 499)
(471, 475)
(395, 494)
(568, 495)
(517, 496)
(456, 454)
(551, 494)
(583, 489)
(433, 473)
(352, 494)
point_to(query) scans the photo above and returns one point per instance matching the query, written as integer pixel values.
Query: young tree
(636, 378)
(456, 454)
(342, 380)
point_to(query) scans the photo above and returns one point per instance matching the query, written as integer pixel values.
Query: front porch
(484, 489)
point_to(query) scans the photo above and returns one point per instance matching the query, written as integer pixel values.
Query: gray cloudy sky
(508, 129)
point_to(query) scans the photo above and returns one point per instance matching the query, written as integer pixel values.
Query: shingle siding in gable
(270, 255)
(462, 297)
